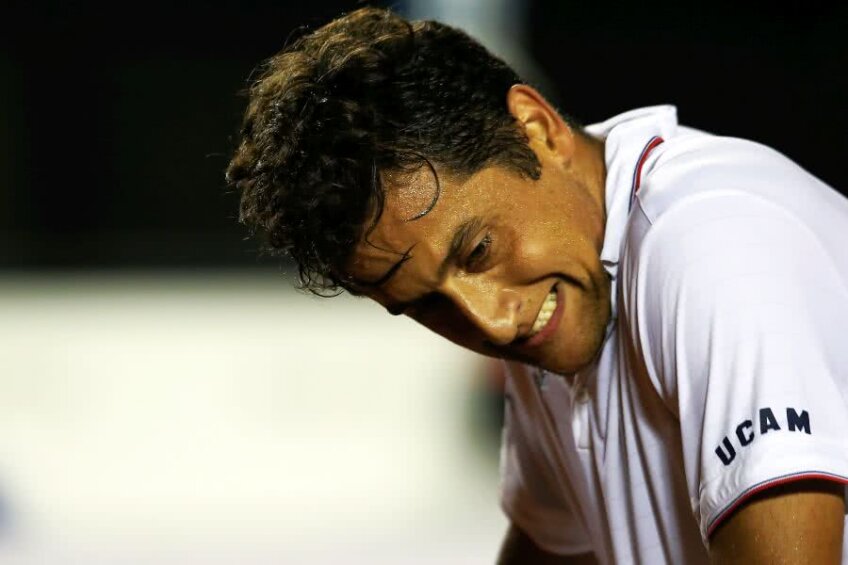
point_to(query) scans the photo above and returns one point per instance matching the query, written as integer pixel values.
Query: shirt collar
(625, 138)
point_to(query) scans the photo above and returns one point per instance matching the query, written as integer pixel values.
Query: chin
(581, 355)
(565, 369)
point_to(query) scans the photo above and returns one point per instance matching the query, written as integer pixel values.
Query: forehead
(411, 195)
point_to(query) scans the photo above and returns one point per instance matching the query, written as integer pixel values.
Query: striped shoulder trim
(637, 172)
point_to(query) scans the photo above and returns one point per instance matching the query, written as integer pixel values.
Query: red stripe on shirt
(645, 153)
(767, 485)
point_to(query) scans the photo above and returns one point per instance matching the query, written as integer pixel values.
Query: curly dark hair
(367, 93)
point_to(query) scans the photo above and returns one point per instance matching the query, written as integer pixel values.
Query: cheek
(539, 252)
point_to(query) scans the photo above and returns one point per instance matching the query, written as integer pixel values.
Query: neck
(590, 154)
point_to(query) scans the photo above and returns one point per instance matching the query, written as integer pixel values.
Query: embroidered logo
(766, 422)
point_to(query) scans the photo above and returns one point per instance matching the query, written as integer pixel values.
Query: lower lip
(552, 324)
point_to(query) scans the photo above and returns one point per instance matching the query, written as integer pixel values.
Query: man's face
(502, 265)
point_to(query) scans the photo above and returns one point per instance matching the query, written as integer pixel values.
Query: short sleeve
(743, 320)
(532, 494)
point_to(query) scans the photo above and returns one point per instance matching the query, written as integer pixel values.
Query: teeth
(545, 313)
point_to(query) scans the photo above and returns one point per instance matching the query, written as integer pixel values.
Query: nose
(492, 309)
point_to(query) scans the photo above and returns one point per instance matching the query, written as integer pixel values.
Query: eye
(480, 252)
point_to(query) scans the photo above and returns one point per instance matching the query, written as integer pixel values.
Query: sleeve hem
(774, 463)
(728, 509)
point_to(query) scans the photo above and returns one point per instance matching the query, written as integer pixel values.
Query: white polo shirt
(725, 366)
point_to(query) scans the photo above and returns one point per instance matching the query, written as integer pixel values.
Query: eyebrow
(385, 277)
(459, 241)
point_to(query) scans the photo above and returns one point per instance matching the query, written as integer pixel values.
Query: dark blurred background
(165, 397)
(116, 120)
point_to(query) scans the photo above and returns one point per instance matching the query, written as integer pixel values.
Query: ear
(545, 128)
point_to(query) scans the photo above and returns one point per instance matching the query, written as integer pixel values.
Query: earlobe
(542, 123)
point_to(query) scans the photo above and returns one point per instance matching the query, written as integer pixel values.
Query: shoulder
(731, 241)
(701, 192)
(694, 164)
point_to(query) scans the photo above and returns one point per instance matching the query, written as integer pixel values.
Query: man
(672, 305)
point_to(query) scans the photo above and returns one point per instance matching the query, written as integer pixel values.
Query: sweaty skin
(522, 239)
(483, 252)
(797, 523)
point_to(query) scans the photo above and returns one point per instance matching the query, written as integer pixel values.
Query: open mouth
(546, 312)
(547, 320)
(546, 323)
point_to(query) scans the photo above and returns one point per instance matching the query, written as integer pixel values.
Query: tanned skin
(797, 523)
(483, 290)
